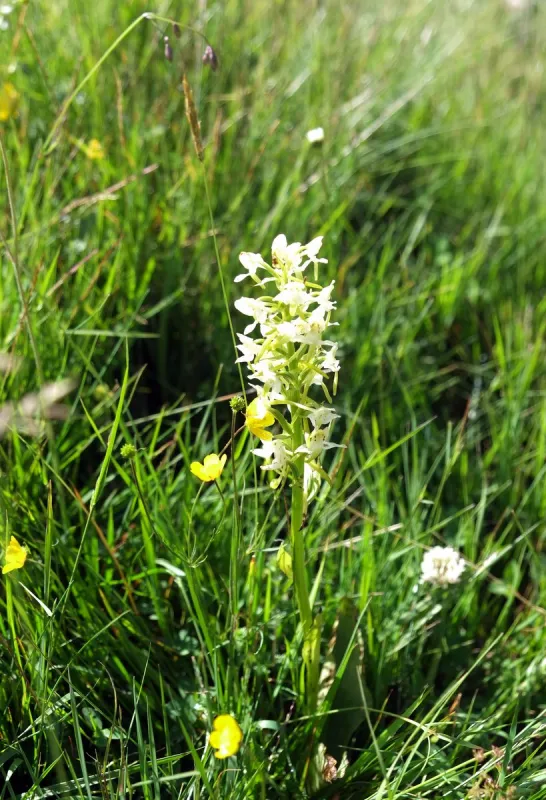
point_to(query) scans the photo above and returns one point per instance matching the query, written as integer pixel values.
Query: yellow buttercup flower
(258, 418)
(210, 469)
(226, 736)
(16, 555)
(9, 98)
(94, 150)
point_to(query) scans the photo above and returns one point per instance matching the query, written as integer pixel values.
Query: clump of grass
(130, 627)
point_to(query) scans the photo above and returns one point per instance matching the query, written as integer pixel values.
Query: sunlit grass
(131, 627)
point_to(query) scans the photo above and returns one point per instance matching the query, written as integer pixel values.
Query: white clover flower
(315, 135)
(442, 566)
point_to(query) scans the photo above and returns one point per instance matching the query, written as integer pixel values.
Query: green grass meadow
(151, 603)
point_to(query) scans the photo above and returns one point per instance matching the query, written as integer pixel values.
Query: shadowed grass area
(132, 624)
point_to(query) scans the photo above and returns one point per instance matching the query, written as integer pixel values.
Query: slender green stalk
(200, 614)
(234, 567)
(236, 538)
(14, 639)
(99, 484)
(14, 258)
(148, 531)
(311, 628)
(298, 546)
(221, 274)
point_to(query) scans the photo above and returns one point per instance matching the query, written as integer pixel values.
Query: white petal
(252, 262)
(322, 416)
(279, 243)
(313, 247)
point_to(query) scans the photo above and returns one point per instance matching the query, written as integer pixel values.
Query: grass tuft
(148, 605)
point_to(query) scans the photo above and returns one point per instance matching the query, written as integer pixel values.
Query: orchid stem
(311, 653)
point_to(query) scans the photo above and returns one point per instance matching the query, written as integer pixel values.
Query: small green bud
(284, 561)
(128, 451)
(237, 403)
(101, 391)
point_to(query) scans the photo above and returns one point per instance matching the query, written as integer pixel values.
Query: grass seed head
(210, 59)
(191, 114)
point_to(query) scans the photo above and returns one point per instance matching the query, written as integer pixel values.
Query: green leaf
(346, 670)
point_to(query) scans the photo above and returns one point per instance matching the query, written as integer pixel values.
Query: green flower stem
(14, 639)
(311, 651)
(298, 547)
(221, 275)
(25, 308)
(236, 536)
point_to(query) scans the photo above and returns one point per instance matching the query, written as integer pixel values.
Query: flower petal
(262, 434)
(226, 736)
(16, 555)
(199, 471)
